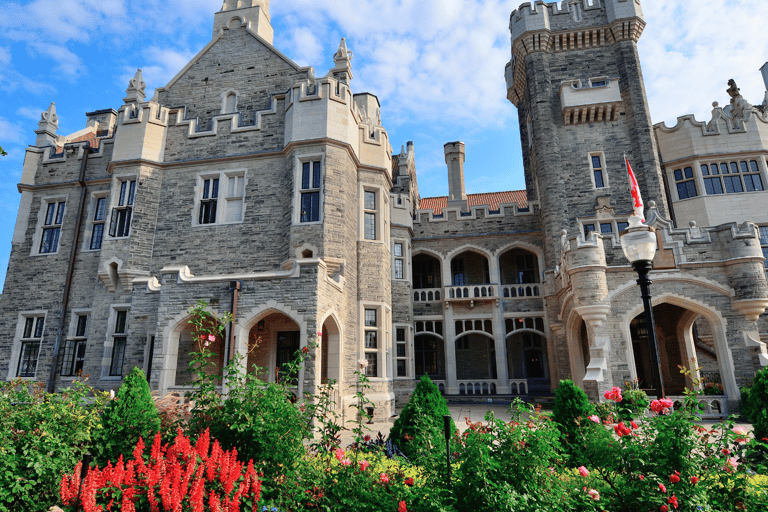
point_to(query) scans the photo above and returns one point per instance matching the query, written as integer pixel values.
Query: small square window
(606, 228)
(399, 250)
(370, 318)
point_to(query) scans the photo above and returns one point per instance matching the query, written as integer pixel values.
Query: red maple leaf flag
(637, 199)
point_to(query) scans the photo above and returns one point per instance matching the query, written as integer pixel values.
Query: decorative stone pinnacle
(342, 57)
(49, 120)
(135, 90)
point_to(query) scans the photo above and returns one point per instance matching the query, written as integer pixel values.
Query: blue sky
(437, 67)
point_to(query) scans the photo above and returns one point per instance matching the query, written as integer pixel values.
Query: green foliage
(42, 435)
(634, 403)
(509, 466)
(758, 403)
(257, 418)
(420, 424)
(572, 408)
(2, 152)
(745, 404)
(131, 415)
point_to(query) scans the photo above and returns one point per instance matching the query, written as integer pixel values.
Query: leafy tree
(132, 414)
(2, 151)
(421, 420)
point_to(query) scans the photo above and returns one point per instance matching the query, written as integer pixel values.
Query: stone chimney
(255, 14)
(454, 157)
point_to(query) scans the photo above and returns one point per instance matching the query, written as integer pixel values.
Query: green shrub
(509, 466)
(420, 423)
(745, 405)
(758, 404)
(132, 414)
(42, 435)
(571, 412)
(634, 403)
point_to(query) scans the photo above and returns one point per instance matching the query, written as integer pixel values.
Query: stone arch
(536, 250)
(573, 334)
(479, 365)
(170, 349)
(229, 101)
(695, 308)
(449, 271)
(331, 367)
(247, 321)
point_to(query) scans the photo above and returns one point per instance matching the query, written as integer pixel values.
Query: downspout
(234, 287)
(70, 268)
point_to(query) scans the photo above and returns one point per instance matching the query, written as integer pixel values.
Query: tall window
(369, 206)
(763, 230)
(234, 196)
(54, 216)
(598, 171)
(120, 223)
(686, 185)
(30, 345)
(99, 216)
(209, 201)
(119, 340)
(74, 355)
(401, 360)
(371, 342)
(457, 271)
(398, 250)
(311, 179)
(426, 272)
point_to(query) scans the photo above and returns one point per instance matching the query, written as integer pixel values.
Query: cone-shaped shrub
(571, 412)
(757, 400)
(421, 420)
(132, 414)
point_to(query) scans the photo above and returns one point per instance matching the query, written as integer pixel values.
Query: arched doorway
(429, 356)
(188, 345)
(673, 325)
(273, 342)
(475, 357)
(330, 354)
(469, 268)
(527, 359)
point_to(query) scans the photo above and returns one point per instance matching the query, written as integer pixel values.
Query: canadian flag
(637, 199)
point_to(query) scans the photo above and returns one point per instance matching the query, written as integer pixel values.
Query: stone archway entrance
(272, 343)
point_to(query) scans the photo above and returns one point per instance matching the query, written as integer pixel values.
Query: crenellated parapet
(572, 25)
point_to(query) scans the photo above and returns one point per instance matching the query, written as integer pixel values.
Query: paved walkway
(475, 413)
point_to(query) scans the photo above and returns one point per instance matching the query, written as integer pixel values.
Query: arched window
(230, 104)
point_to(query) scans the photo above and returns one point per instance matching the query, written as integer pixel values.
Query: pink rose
(338, 453)
(364, 465)
(346, 462)
(384, 478)
(583, 471)
(594, 494)
(595, 418)
(741, 433)
(662, 488)
(730, 464)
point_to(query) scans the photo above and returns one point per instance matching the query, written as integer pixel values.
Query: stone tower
(576, 81)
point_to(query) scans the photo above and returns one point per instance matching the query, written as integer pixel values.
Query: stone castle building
(253, 184)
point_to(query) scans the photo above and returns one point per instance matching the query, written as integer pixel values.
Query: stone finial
(135, 90)
(47, 126)
(342, 62)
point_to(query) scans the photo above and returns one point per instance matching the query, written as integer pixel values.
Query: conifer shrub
(757, 400)
(571, 413)
(420, 423)
(132, 414)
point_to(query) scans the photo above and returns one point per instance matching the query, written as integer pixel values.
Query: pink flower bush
(384, 478)
(346, 462)
(613, 394)
(594, 494)
(364, 465)
(731, 464)
(583, 471)
(741, 433)
(662, 406)
(595, 418)
(338, 453)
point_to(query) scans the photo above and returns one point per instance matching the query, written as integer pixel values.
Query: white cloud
(11, 133)
(689, 53)
(5, 56)
(69, 65)
(160, 66)
(30, 112)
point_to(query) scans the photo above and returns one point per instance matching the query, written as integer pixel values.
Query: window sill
(44, 254)
(216, 224)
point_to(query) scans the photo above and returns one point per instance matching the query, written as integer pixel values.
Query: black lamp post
(638, 242)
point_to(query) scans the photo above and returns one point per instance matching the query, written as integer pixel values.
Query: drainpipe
(234, 287)
(70, 268)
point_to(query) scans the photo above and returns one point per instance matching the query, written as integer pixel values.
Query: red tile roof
(492, 199)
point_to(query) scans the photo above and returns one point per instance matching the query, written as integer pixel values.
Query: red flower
(613, 394)
(305, 350)
(634, 425)
(672, 500)
(694, 480)
(402, 508)
(673, 479)
(408, 481)
(621, 429)
(384, 478)
(664, 508)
